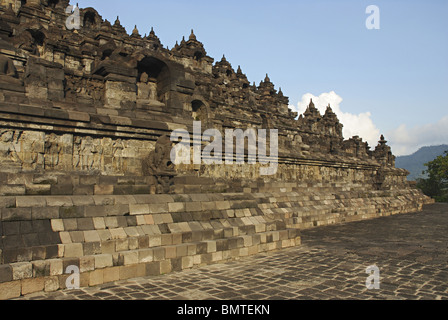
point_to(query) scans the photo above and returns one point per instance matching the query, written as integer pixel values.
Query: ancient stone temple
(87, 177)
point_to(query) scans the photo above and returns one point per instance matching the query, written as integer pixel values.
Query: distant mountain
(415, 163)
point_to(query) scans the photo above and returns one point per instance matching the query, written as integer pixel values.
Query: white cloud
(405, 141)
(354, 124)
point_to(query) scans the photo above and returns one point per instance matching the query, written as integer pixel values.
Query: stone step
(179, 256)
(78, 183)
(97, 270)
(112, 237)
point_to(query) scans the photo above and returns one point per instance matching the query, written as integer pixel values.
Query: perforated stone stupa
(86, 178)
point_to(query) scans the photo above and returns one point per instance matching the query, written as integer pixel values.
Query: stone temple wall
(86, 178)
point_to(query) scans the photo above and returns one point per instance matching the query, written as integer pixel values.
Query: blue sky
(397, 76)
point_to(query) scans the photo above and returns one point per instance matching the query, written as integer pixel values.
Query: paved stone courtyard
(410, 250)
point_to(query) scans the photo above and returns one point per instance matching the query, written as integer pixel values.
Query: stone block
(209, 205)
(41, 268)
(96, 211)
(96, 278)
(103, 189)
(165, 267)
(145, 255)
(143, 242)
(103, 261)
(57, 225)
(159, 254)
(153, 268)
(182, 250)
(184, 227)
(201, 248)
(65, 237)
(5, 273)
(121, 245)
(92, 248)
(177, 238)
(56, 267)
(128, 258)
(111, 274)
(157, 219)
(206, 258)
(29, 202)
(22, 270)
(244, 252)
(91, 236)
(51, 284)
(59, 201)
(166, 239)
(86, 264)
(111, 222)
(193, 206)
(70, 224)
(139, 209)
(104, 235)
(10, 290)
(12, 228)
(16, 214)
(99, 223)
(141, 220)
(253, 250)
(176, 207)
(33, 285)
(158, 208)
(149, 220)
(211, 246)
(73, 250)
(197, 260)
(85, 224)
(247, 241)
(131, 231)
(133, 243)
(155, 241)
(170, 252)
(222, 205)
(191, 249)
(77, 236)
(108, 247)
(217, 256)
(128, 272)
(187, 237)
(118, 234)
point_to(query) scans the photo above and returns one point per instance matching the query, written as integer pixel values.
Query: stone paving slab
(411, 252)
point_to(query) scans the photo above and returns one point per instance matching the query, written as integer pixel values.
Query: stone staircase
(113, 237)
(117, 237)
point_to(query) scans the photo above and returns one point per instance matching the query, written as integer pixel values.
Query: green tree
(436, 186)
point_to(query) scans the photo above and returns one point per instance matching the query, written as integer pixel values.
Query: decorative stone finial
(135, 31)
(312, 103)
(267, 78)
(192, 35)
